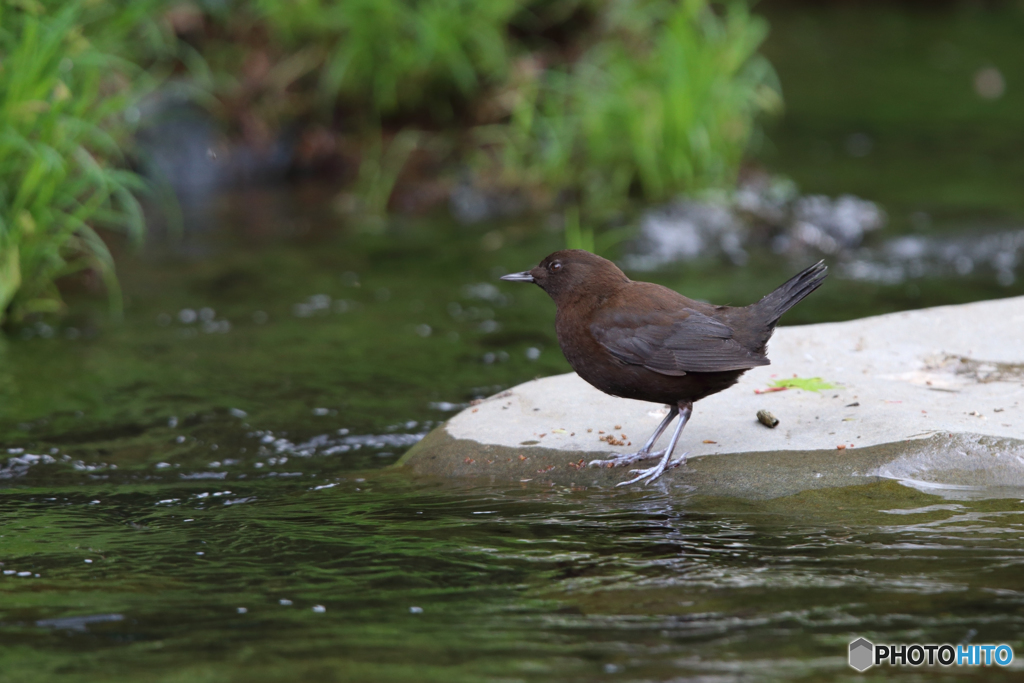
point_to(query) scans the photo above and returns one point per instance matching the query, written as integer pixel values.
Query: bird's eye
(556, 266)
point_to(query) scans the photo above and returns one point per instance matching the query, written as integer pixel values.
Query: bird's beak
(518, 277)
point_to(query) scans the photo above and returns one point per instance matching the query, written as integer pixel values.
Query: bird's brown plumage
(643, 341)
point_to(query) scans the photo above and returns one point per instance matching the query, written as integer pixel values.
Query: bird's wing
(674, 343)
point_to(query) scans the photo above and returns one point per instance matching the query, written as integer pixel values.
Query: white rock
(938, 381)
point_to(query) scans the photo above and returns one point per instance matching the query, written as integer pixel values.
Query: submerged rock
(933, 398)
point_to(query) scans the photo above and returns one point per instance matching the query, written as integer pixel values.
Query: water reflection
(392, 578)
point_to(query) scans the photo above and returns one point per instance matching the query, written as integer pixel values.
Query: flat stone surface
(934, 396)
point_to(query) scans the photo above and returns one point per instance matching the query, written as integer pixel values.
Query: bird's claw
(625, 459)
(652, 473)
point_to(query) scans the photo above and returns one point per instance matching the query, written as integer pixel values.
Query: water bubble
(321, 411)
(207, 314)
(319, 609)
(179, 439)
(485, 291)
(238, 412)
(445, 406)
(187, 316)
(989, 83)
(200, 552)
(489, 326)
(415, 610)
(164, 465)
(88, 561)
(285, 601)
(424, 330)
(489, 358)
(242, 610)
(533, 353)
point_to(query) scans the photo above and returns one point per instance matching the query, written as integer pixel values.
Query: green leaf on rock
(805, 383)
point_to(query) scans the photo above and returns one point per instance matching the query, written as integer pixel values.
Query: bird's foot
(625, 459)
(652, 473)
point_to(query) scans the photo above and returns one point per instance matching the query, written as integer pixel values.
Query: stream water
(201, 492)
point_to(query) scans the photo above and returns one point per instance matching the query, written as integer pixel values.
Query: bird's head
(571, 273)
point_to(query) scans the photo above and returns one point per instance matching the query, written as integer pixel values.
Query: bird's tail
(791, 293)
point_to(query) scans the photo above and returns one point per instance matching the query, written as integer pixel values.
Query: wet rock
(831, 225)
(179, 145)
(905, 258)
(761, 210)
(933, 398)
(686, 230)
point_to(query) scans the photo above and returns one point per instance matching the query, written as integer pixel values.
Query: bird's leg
(645, 452)
(652, 473)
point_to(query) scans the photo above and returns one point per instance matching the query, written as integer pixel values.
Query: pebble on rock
(767, 419)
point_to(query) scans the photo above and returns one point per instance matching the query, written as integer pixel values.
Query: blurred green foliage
(663, 102)
(585, 104)
(389, 55)
(62, 100)
(605, 99)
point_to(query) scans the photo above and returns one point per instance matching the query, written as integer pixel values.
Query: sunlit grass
(59, 178)
(631, 99)
(665, 102)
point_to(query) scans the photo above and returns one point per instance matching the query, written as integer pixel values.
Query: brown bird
(646, 342)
